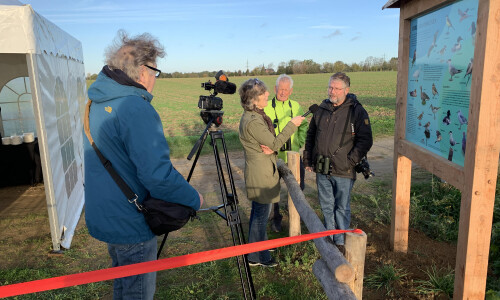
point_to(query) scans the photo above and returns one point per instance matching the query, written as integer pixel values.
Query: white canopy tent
(43, 90)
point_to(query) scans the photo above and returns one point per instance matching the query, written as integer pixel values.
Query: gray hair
(130, 53)
(249, 92)
(284, 77)
(341, 77)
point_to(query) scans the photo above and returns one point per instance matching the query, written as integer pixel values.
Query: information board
(439, 79)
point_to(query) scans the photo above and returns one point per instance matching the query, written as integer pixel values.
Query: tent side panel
(44, 151)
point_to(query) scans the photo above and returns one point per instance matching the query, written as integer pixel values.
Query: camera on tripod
(211, 105)
(364, 168)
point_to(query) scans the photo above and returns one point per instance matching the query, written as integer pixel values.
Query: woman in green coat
(261, 173)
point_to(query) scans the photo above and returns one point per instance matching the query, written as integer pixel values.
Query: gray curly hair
(130, 53)
(284, 77)
(249, 92)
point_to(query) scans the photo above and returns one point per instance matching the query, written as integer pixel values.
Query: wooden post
(355, 250)
(293, 159)
(334, 290)
(402, 165)
(481, 158)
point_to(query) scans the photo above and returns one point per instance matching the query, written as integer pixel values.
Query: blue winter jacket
(128, 131)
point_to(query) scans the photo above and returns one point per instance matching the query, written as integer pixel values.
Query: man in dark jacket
(339, 136)
(129, 133)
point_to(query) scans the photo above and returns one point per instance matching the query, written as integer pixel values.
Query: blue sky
(212, 35)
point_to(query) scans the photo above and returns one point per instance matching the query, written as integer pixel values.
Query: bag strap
(131, 196)
(347, 121)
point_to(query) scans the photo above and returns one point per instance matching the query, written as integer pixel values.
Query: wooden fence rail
(340, 278)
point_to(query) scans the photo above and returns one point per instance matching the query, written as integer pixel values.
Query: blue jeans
(258, 230)
(334, 195)
(139, 286)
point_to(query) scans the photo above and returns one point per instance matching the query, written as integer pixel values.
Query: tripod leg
(201, 142)
(233, 217)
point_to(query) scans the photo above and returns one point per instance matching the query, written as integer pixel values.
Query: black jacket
(325, 134)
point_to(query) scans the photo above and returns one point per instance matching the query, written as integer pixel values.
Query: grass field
(176, 100)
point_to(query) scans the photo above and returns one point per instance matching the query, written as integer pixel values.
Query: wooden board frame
(477, 179)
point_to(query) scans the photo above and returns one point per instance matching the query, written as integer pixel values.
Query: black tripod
(229, 202)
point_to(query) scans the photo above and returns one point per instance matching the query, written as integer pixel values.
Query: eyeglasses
(336, 89)
(257, 81)
(157, 72)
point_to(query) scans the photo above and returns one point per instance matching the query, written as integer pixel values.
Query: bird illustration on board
(463, 14)
(452, 140)
(434, 110)
(423, 96)
(416, 74)
(449, 24)
(433, 45)
(458, 45)
(414, 57)
(453, 71)
(464, 142)
(420, 116)
(446, 119)
(461, 119)
(468, 72)
(427, 132)
(442, 50)
(450, 154)
(413, 93)
(473, 32)
(438, 136)
(434, 90)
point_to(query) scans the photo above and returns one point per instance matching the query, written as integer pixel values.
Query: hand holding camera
(364, 168)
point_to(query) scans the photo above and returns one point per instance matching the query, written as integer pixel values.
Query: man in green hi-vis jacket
(281, 110)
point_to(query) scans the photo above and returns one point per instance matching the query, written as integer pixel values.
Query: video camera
(211, 105)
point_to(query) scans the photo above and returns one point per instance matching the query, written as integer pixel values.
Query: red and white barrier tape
(156, 265)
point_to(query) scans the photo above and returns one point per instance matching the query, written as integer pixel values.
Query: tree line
(293, 66)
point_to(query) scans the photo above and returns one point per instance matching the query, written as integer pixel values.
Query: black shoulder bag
(161, 216)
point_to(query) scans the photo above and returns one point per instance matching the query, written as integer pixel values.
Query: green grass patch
(439, 282)
(386, 277)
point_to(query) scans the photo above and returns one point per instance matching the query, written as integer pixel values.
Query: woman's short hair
(249, 92)
(130, 53)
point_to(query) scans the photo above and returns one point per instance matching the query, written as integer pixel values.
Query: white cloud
(327, 27)
(333, 34)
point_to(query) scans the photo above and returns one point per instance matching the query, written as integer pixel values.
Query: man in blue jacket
(128, 131)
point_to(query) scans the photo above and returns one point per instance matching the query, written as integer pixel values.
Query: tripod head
(212, 116)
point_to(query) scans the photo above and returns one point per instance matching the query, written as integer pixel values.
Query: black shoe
(270, 264)
(276, 224)
(341, 249)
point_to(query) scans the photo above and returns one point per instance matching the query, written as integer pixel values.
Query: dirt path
(205, 173)
(20, 200)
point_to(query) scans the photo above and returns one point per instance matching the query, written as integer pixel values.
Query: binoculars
(323, 164)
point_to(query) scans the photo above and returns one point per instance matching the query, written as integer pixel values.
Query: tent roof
(23, 30)
(393, 4)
